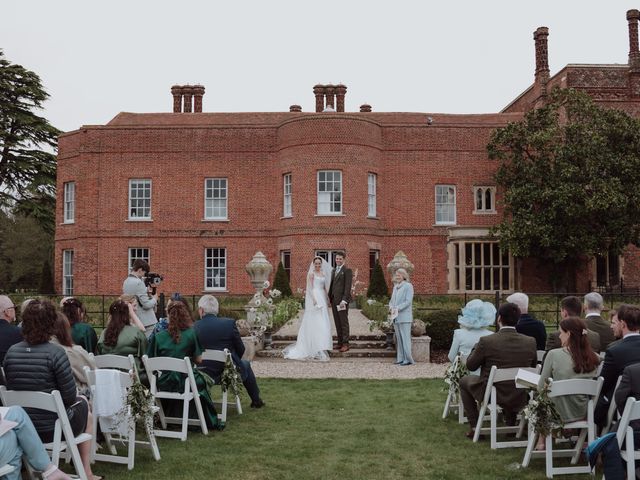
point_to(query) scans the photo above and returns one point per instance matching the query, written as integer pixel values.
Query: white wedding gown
(314, 336)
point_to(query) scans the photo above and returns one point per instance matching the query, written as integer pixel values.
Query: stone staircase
(361, 346)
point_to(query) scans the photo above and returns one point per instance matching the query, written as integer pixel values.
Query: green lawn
(334, 429)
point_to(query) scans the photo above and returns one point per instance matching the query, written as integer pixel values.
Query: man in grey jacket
(134, 285)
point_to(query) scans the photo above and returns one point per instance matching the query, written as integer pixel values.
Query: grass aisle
(334, 429)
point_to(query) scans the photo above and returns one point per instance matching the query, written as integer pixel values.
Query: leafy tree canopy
(27, 169)
(569, 173)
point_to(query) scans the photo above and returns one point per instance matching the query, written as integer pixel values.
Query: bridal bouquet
(542, 414)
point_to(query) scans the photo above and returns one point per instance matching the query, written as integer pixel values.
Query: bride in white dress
(314, 335)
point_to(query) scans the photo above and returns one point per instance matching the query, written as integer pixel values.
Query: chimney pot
(198, 92)
(329, 93)
(187, 93)
(633, 16)
(341, 91)
(365, 108)
(176, 91)
(540, 37)
(295, 108)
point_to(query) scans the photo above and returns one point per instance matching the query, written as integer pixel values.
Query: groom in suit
(340, 296)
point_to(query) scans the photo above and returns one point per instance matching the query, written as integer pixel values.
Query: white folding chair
(541, 354)
(125, 433)
(612, 412)
(576, 386)
(6, 470)
(159, 365)
(116, 362)
(624, 435)
(490, 402)
(51, 402)
(454, 401)
(221, 356)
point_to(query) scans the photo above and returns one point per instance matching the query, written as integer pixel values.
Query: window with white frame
(484, 199)
(480, 266)
(69, 202)
(445, 204)
(329, 192)
(215, 199)
(140, 199)
(372, 188)
(215, 269)
(285, 258)
(138, 253)
(329, 256)
(287, 206)
(67, 272)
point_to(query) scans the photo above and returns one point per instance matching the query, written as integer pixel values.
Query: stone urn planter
(421, 348)
(400, 260)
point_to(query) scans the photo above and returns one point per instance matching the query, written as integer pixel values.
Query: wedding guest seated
(476, 317)
(163, 322)
(576, 359)
(572, 307)
(125, 333)
(593, 305)
(624, 353)
(218, 333)
(527, 324)
(179, 341)
(23, 441)
(23, 305)
(78, 356)
(9, 333)
(505, 349)
(82, 333)
(37, 365)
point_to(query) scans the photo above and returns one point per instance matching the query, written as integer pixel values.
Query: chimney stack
(182, 98)
(318, 91)
(542, 56)
(633, 16)
(330, 97)
(341, 91)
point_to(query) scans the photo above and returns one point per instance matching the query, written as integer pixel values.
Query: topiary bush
(377, 285)
(440, 326)
(281, 281)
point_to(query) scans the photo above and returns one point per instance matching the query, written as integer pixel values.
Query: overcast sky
(99, 58)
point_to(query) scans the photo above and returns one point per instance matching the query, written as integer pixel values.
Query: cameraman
(134, 285)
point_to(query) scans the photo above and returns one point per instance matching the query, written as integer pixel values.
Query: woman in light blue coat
(401, 307)
(476, 317)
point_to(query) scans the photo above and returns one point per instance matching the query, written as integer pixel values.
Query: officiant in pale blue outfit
(401, 306)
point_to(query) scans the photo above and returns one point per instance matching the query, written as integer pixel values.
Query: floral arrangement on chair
(139, 404)
(230, 380)
(454, 373)
(542, 414)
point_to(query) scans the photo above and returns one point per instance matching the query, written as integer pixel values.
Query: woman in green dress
(82, 333)
(124, 334)
(179, 341)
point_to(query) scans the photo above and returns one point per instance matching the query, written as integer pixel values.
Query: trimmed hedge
(440, 326)
(377, 285)
(281, 281)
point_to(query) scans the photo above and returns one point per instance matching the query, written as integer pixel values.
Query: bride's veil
(326, 271)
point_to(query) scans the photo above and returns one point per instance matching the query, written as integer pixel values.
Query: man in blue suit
(216, 333)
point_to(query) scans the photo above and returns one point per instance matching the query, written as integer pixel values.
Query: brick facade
(410, 153)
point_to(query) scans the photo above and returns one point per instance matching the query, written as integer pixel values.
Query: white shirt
(632, 334)
(592, 314)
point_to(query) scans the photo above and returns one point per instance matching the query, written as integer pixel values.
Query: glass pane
(479, 199)
(468, 278)
(486, 247)
(488, 200)
(468, 253)
(477, 277)
(477, 258)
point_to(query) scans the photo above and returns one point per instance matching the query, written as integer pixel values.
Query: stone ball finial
(400, 260)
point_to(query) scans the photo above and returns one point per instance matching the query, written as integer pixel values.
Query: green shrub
(440, 326)
(229, 313)
(285, 310)
(281, 281)
(375, 311)
(377, 285)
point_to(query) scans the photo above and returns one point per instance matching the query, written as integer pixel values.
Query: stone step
(373, 337)
(352, 353)
(359, 344)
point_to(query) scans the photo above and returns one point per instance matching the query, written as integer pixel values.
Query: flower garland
(454, 373)
(139, 406)
(542, 414)
(230, 380)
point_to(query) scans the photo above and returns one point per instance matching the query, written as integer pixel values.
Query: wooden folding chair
(624, 435)
(490, 402)
(575, 386)
(158, 365)
(221, 356)
(125, 434)
(453, 403)
(51, 402)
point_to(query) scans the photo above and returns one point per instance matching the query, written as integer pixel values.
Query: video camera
(153, 280)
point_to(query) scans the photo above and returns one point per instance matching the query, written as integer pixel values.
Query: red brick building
(197, 194)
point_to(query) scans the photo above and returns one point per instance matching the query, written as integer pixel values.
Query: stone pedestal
(421, 348)
(250, 347)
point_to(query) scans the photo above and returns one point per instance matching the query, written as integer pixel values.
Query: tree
(27, 169)
(377, 284)
(281, 281)
(569, 172)
(46, 279)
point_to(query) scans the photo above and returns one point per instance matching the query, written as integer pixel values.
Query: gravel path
(367, 368)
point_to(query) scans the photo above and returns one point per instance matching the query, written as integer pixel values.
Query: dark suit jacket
(504, 349)
(603, 328)
(9, 335)
(531, 327)
(629, 386)
(217, 333)
(340, 287)
(553, 341)
(618, 356)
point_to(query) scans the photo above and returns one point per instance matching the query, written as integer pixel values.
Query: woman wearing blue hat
(476, 317)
